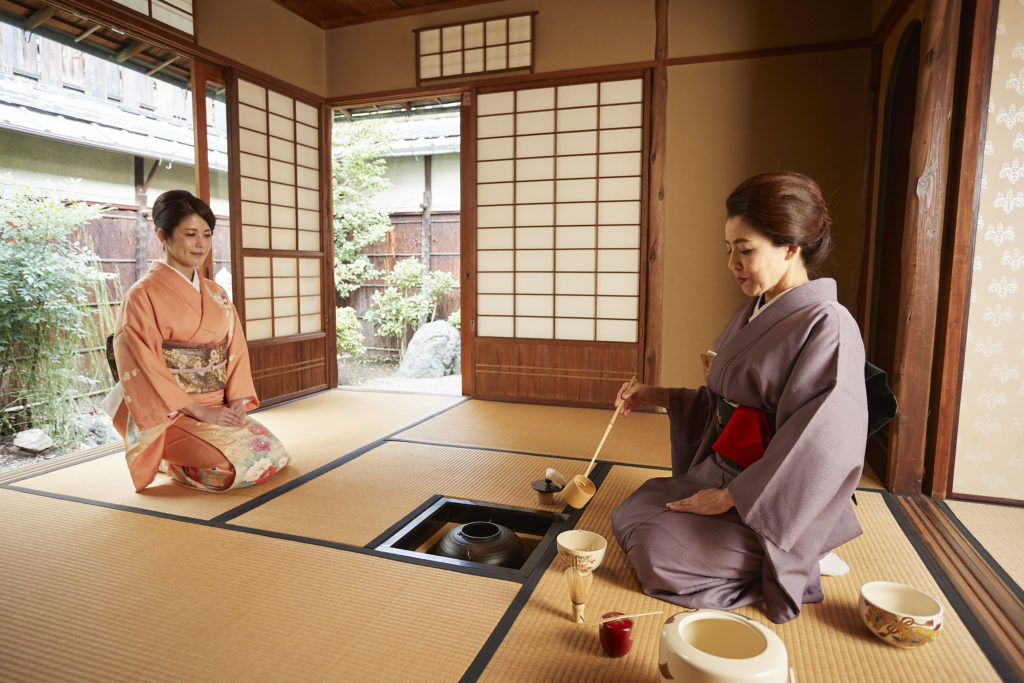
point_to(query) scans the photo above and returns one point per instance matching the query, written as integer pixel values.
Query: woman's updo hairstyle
(788, 208)
(174, 206)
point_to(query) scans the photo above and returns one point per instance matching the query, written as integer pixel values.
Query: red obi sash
(744, 437)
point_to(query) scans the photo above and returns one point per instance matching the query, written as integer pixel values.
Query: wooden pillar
(655, 256)
(142, 182)
(978, 43)
(922, 245)
(201, 146)
(427, 201)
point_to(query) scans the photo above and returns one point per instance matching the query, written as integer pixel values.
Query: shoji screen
(281, 214)
(560, 183)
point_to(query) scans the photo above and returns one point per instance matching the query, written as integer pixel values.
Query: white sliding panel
(559, 184)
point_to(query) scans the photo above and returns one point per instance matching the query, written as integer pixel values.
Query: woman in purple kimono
(766, 457)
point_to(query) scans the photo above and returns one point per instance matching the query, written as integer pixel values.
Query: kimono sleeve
(813, 462)
(151, 392)
(690, 411)
(239, 383)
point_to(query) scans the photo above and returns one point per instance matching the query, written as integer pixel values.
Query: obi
(198, 369)
(743, 433)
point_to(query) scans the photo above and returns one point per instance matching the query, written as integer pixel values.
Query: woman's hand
(640, 397)
(705, 502)
(225, 415)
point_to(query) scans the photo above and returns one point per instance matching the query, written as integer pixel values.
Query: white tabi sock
(831, 565)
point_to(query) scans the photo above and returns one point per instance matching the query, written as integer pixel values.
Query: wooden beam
(38, 18)
(958, 251)
(163, 65)
(87, 32)
(918, 297)
(132, 48)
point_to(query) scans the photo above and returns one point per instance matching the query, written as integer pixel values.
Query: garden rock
(98, 429)
(33, 440)
(434, 351)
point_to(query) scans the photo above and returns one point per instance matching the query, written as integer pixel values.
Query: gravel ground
(12, 457)
(384, 376)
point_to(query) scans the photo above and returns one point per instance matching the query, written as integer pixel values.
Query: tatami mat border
(997, 568)
(323, 469)
(974, 627)
(493, 642)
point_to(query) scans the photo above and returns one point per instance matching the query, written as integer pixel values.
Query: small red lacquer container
(617, 635)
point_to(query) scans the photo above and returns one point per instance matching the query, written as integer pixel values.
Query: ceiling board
(337, 13)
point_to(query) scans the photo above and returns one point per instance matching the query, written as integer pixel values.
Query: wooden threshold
(996, 606)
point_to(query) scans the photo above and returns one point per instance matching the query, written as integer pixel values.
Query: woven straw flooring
(826, 643)
(277, 583)
(316, 431)
(96, 594)
(999, 529)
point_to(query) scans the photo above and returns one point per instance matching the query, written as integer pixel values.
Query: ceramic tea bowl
(898, 614)
(582, 550)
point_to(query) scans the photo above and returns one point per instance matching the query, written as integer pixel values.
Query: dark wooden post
(972, 100)
(201, 146)
(427, 202)
(655, 256)
(141, 224)
(922, 246)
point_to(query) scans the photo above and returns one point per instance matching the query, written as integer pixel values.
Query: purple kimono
(801, 358)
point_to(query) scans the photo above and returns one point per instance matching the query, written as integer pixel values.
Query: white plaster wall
(406, 191)
(92, 174)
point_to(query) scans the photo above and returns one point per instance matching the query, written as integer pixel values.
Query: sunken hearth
(482, 538)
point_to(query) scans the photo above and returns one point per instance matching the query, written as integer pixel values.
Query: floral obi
(198, 369)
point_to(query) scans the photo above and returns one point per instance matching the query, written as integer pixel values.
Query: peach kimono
(175, 345)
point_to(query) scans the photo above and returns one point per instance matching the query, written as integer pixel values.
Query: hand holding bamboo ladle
(580, 490)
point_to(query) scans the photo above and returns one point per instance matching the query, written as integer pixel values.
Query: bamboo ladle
(580, 490)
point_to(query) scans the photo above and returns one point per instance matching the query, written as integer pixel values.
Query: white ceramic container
(712, 646)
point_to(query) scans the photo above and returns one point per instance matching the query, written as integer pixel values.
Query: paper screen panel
(562, 167)
(497, 44)
(280, 200)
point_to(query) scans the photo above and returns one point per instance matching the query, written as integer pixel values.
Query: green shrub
(455, 319)
(45, 319)
(408, 300)
(350, 332)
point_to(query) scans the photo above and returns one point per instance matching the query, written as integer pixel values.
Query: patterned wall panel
(559, 181)
(990, 436)
(279, 141)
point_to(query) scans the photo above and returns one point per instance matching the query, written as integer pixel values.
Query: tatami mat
(316, 430)
(360, 500)
(999, 528)
(826, 643)
(95, 594)
(637, 439)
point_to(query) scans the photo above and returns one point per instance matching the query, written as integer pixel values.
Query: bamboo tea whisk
(579, 583)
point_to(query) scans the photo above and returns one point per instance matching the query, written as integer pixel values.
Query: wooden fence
(405, 241)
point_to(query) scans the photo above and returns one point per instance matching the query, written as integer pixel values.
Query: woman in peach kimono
(185, 383)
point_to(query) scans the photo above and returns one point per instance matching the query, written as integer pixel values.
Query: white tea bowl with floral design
(900, 615)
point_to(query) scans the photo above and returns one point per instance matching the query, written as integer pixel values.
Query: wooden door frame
(298, 362)
(970, 118)
(923, 238)
(651, 236)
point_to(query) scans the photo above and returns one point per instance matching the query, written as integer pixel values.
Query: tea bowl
(580, 549)
(898, 614)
